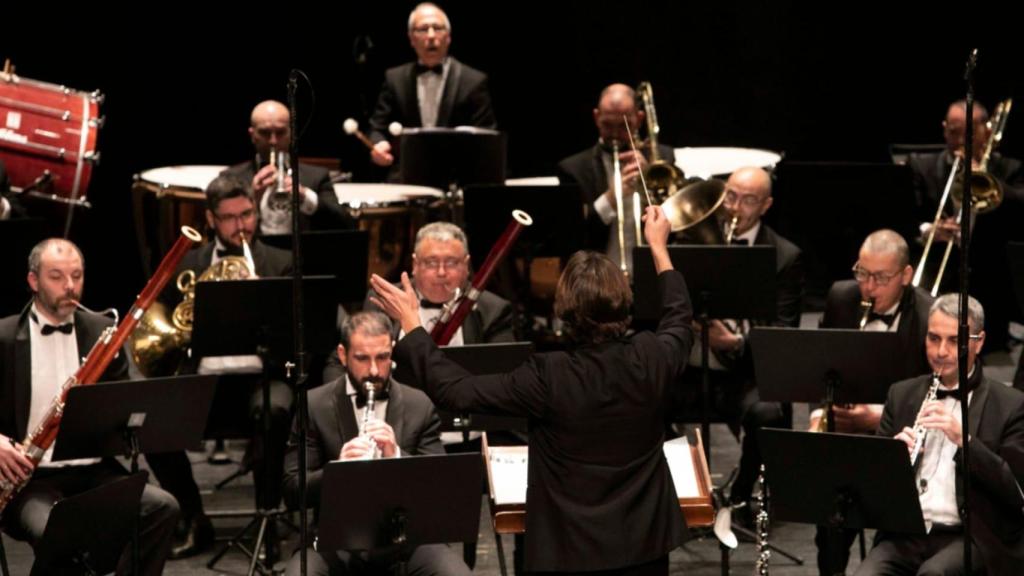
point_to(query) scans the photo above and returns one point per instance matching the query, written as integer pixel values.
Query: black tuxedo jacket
(599, 492)
(16, 365)
(586, 170)
(931, 171)
(996, 429)
(333, 422)
(789, 276)
(329, 213)
(270, 262)
(465, 101)
(842, 310)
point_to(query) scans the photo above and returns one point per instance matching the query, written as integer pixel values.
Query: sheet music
(507, 465)
(680, 465)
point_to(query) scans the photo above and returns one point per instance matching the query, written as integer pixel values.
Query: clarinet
(763, 552)
(920, 431)
(368, 416)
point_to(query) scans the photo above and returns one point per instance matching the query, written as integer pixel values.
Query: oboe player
(599, 491)
(39, 349)
(996, 437)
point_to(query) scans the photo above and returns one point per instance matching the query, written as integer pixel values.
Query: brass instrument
(160, 341)
(920, 431)
(280, 196)
(730, 229)
(105, 349)
(764, 553)
(986, 193)
(368, 416)
(620, 210)
(690, 209)
(866, 306)
(663, 178)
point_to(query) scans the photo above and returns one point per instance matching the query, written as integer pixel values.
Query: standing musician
(592, 170)
(989, 280)
(231, 212)
(39, 350)
(996, 439)
(403, 422)
(599, 492)
(436, 90)
(270, 131)
(882, 279)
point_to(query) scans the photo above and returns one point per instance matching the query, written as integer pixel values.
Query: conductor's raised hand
(400, 303)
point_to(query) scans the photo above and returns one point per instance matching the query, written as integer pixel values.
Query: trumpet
(730, 229)
(280, 197)
(369, 416)
(920, 431)
(865, 306)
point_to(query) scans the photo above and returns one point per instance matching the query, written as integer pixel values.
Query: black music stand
(724, 282)
(485, 359)
(842, 481)
(443, 157)
(241, 317)
(86, 533)
(343, 254)
(17, 238)
(794, 365)
(393, 505)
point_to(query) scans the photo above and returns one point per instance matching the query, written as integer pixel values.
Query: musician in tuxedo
(231, 212)
(40, 348)
(996, 436)
(599, 491)
(591, 170)
(882, 276)
(440, 268)
(434, 91)
(990, 279)
(403, 423)
(270, 129)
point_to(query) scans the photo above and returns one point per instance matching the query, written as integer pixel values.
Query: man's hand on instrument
(400, 303)
(936, 416)
(381, 432)
(357, 448)
(720, 338)
(908, 437)
(948, 230)
(14, 466)
(859, 418)
(632, 164)
(381, 155)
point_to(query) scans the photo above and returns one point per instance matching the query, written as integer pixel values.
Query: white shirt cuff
(5, 209)
(604, 209)
(310, 201)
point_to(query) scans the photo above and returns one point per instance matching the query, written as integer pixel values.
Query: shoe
(270, 552)
(219, 455)
(193, 538)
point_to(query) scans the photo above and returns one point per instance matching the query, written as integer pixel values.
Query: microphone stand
(295, 371)
(963, 331)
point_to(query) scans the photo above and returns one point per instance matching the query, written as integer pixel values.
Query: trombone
(986, 193)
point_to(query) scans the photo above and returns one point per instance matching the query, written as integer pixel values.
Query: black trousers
(656, 567)
(231, 417)
(938, 553)
(431, 560)
(26, 516)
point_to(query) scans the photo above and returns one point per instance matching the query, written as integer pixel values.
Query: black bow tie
(887, 318)
(427, 304)
(740, 242)
(225, 252)
(943, 393)
(50, 328)
(423, 69)
(379, 396)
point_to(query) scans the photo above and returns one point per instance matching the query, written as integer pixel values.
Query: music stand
(842, 481)
(442, 157)
(485, 359)
(17, 237)
(343, 254)
(723, 281)
(1015, 256)
(393, 505)
(87, 533)
(242, 317)
(854, 367)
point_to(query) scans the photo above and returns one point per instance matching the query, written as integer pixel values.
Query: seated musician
(231, 213)
(882, 277)
(270, 129)
(599, 495)
(996, 442)
(39, 350)
(403, 423)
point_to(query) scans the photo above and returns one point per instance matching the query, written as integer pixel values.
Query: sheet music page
(508, 474)
(680, 464)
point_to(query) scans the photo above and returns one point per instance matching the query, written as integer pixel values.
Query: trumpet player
(404, 423)
(990, 278)
(997, 459)
(232, 214)
(271, 179)
(592, 170)
(39, 349)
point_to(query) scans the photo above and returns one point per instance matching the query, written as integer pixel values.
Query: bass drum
(48, 128)
(164, 200)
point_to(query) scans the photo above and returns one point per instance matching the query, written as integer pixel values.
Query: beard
(61, 306)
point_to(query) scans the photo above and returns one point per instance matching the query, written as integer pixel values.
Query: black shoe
(196, 537)
(270, 552)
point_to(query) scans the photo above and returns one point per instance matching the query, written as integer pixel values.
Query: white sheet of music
(508, 474)
(680, 464)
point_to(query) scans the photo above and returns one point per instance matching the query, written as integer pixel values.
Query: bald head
(617, 101)
(748, 195)
(269, 127)
(888, 242)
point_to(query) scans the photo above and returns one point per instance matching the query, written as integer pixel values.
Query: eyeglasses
(242, 217)
(436, 263)
(881, 278)
(425, 29)
(746, 200)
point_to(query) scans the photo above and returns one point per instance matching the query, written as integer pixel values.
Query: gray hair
(35, 257)
(441, 232)
(367, 322)
(949, 304)
(421, 5)
(887, 242)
